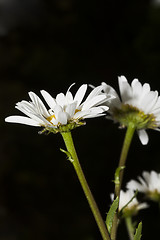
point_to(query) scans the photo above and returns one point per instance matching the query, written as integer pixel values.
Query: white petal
(38, 104)
(143, 136)
(70, 109)
(62, 118)
(96, 91)
(22, 120)
(125, 89)
(49, 99)
(137, 87)
(61, 99)
(149, 101)
(70, 87)
(32, 114)
(80, 94)
(134, 185)
(69, 97)
(94, 101)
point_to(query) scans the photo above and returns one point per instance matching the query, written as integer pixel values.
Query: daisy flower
(64, 110)
(128, 203)
(138, 104)
(149, 184)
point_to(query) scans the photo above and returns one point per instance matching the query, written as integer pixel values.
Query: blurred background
(49, 44)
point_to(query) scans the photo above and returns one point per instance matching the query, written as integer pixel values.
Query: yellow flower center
(51, 117)
(77, 110)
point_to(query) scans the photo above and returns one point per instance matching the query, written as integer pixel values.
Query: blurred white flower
(64, 109)
(149, 184)
(129, 204)
(138, 104)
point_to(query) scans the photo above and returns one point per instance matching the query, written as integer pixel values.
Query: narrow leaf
(138, 233)
(69, 156)
(111, 213)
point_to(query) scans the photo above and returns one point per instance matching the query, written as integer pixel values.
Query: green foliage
(116, 176)
(69, 156)
(111, 213)
(138, 233)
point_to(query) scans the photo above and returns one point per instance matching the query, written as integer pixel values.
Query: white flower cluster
(64, 108)
(149, 184)
(137, 98)
(138, 104)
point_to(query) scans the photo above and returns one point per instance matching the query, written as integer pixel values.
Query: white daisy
(148, 184)
(128, 203)
(138, 104)
(64, 109)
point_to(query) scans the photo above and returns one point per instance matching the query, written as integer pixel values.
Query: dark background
(49, 45)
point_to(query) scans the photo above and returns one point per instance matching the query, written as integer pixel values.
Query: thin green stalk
(125, 149)
(130, 227)
(67, 137)
(126, 144)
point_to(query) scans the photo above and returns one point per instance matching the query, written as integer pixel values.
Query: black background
(49, 45)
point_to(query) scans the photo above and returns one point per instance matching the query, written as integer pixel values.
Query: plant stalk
(67, 137)
(125, 148)
(130, 227)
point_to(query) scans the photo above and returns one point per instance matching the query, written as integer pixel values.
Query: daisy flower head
(65, 111)
(128, 203)
(149, 184)
(137, 104)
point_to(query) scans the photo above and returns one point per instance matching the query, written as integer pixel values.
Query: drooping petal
(143, 136)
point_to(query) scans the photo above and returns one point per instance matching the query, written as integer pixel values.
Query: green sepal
(111, 213)
(62, 128)
(138, 233)
(69, 156)
(116, 176)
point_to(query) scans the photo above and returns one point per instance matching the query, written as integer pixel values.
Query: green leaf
(138, 233)
(69, 156)
(111, 213)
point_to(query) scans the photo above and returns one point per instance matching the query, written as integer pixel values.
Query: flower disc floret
(137, 104)
(65, 111)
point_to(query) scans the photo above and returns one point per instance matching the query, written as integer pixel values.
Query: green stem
(130, 227)
(126, 144)
(67, 137)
